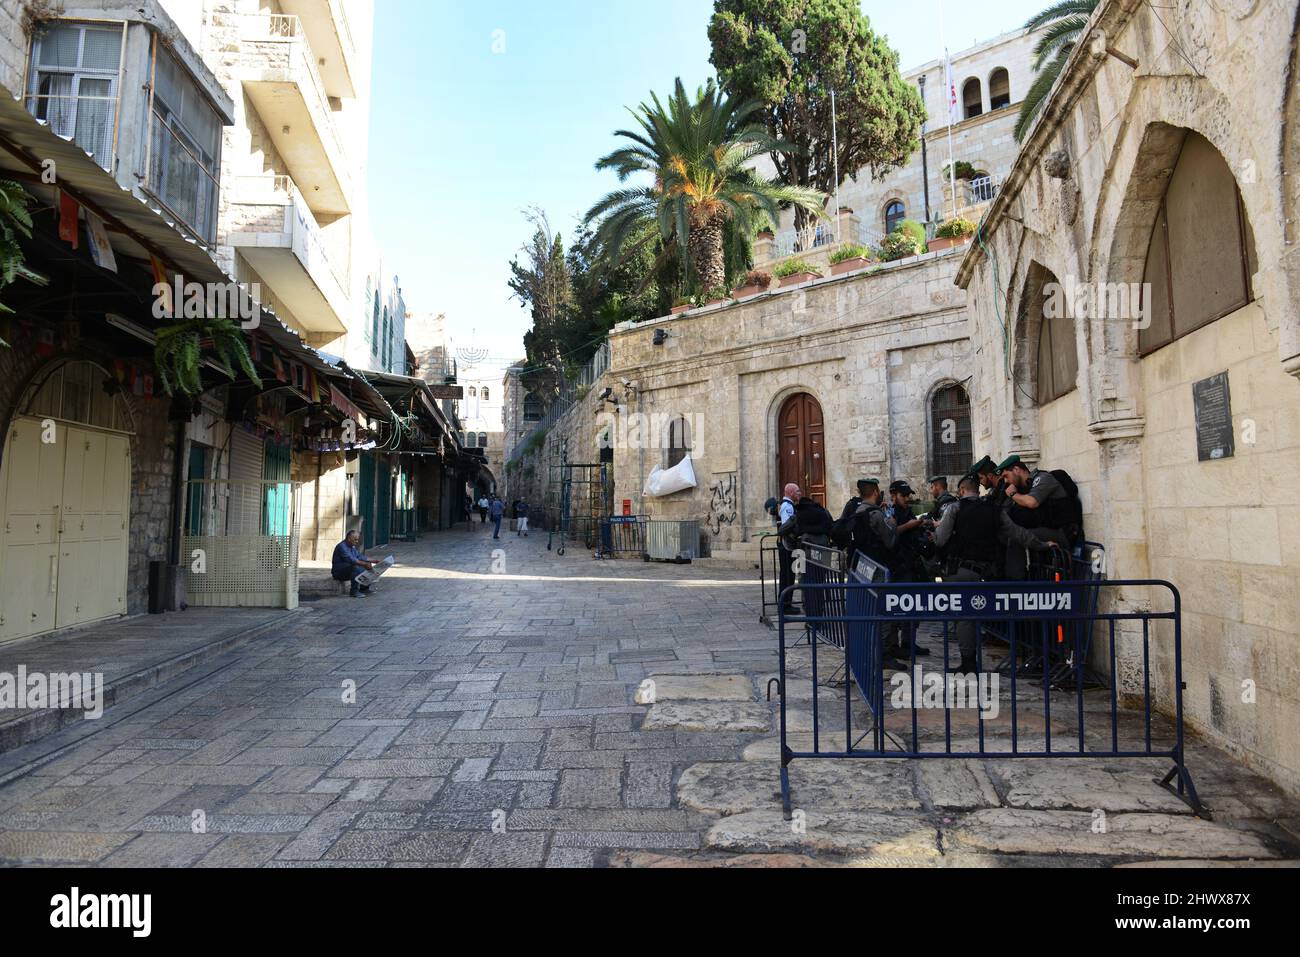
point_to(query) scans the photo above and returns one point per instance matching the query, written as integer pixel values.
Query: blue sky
(482, 110)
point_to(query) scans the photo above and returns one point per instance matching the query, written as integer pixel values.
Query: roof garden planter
(799, 278)
(849, 265)
(940, 243)
(684, 307)
(756, 283)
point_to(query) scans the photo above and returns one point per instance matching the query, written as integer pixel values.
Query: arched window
(1058, 354)
(895, 213)
(482, 440)
(533, 410)
(999, 89)
(485, 394)
(365, 321)
(473, 392)
(1202, 253)
(471, 441)
(951, 448)
(972, 98)
(679, 442)
(81, 393)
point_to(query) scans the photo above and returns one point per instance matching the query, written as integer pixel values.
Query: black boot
(968, 666)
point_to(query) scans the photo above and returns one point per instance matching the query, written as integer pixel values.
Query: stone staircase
(744, 555)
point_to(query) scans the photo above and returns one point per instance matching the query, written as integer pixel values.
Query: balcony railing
(823, 236)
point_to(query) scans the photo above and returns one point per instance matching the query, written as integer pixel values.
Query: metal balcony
(330, 37)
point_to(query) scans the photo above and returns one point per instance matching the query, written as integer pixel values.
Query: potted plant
(795, 272)
(757, 281)
(955, 232)
(716, 296)
(766, 234)
(683, 304)
(849, 258)
(179, 353)
(962, 170)
(905, 241)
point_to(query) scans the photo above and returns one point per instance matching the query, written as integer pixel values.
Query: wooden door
(802, 434)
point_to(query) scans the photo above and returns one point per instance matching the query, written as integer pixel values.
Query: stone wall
(1079, 205)
(870, 347)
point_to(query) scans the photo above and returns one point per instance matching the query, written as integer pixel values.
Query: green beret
(1010, 463)
(869, 481)
(938, 478)
(983, 465)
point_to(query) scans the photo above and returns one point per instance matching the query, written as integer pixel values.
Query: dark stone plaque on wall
(1215, 435)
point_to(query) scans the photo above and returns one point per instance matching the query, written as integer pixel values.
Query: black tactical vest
(867, 542)
(976, 536)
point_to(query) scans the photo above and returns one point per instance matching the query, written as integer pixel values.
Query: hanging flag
(164, 288)
(69, 220)
(101, 250)
(953, 116)
(45, 343)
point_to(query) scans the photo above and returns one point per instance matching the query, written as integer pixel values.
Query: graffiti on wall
(723, 509)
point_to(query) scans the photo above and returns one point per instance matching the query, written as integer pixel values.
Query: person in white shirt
(793, 495)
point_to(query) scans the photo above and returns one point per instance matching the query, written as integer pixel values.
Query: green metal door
(277, 466)
(197, 493)
(367, 496)
(383, 502)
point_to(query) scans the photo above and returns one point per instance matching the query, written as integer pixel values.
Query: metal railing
(823, 236)
(982, 189)
(287, 28)
(1092, 726)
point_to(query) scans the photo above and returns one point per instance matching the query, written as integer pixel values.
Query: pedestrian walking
(497, 508)
(521, 512)
(483, 505)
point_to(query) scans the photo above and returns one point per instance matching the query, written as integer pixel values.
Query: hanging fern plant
(181, 349)
(15, 224)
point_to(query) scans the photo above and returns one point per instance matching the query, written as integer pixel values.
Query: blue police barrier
(1041, 611)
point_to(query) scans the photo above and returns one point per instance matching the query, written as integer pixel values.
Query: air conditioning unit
(672, 541)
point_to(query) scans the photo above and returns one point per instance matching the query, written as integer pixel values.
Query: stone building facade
(991, 80)
(869, 351)
(1165, 162)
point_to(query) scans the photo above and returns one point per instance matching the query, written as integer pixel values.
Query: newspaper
(366, 579)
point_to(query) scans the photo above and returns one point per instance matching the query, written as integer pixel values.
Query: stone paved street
(495, 723)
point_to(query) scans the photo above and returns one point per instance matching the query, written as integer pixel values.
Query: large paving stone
(957, 785)
(871, 837)
(823, 786)
(1085, 786)
(49, 848)
(708, 716)
(1012, 831)
(696, 688)
(645, 859)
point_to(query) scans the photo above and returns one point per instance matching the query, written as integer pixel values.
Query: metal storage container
(673, 541)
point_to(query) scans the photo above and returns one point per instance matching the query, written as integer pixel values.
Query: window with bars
(951, 447)
(73, 85)
(185, 147)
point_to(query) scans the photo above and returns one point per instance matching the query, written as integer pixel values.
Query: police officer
(855, 503)
(986, 471)
(875, 536)
(974, 534)
(785, 515)
(1029, 496)
(941, 496)
(906, 563)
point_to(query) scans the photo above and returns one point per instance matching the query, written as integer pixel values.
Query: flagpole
(835, 146)
(952, 97)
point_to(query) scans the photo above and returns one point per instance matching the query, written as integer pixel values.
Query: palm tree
(697, 153)
(15, 224)
(1065, 22)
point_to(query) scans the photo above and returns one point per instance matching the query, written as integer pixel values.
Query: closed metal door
(31, 483)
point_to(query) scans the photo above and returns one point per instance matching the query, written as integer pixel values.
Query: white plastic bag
(670, 482)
